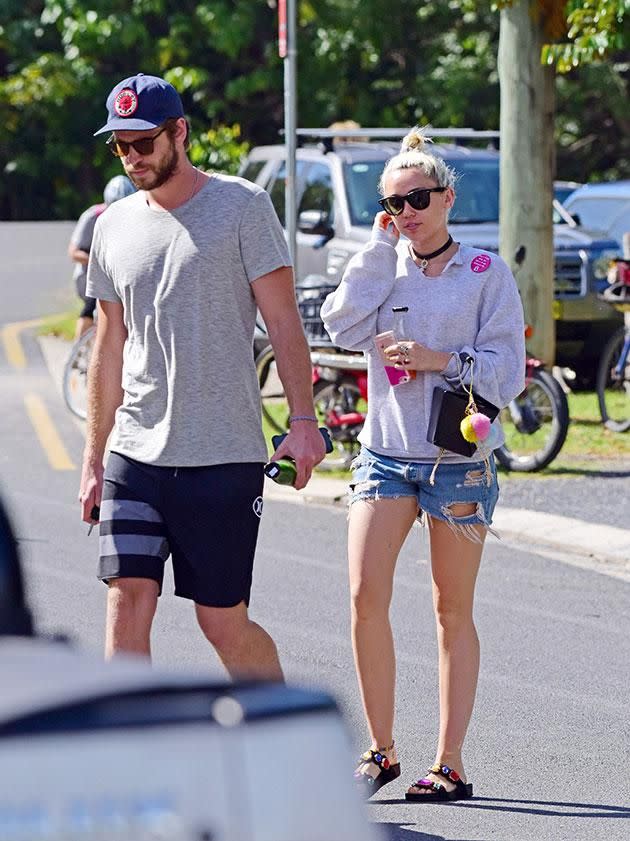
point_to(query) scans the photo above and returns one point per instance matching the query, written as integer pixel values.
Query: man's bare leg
(131, 604)
(246, 650)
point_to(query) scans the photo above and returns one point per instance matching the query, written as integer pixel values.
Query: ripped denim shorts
(375, 476)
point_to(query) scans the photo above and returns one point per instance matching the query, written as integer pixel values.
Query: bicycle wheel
(613, 387)
(75, 373)
(341, 409)
(535, 424)
(273, 400)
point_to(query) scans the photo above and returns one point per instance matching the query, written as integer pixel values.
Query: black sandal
(366, 783)
(437, 791)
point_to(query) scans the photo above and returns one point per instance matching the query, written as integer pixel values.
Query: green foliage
(398, 64)
(378, 63)
(597, 29)
(219, 149)
(60, 58)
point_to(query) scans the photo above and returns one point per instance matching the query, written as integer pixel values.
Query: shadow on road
(548, 808)
(402, 832)
(545, 808)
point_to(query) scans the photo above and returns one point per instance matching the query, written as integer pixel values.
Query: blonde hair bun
(415, 140)
(414, 154)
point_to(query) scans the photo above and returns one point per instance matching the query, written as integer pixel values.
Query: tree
(526, 74)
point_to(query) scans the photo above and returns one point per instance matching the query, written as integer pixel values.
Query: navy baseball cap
(140, 103)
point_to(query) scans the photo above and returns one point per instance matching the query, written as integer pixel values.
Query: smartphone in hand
(276, 440)
(283, 471)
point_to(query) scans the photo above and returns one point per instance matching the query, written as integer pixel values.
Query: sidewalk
(603, 548)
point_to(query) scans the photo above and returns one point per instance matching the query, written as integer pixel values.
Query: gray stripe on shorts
(156, 546)
(128, 509)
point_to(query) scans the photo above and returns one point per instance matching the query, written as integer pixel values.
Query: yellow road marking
(56, 453)
(11, 341)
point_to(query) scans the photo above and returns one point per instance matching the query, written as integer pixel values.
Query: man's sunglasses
(418, 199)
(143, 146)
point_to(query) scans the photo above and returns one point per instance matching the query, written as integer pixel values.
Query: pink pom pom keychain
(475, 427)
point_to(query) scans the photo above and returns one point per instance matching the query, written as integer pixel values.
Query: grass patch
(590, 447)
(62, 324)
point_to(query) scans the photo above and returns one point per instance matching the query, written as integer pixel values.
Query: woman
(463, 327)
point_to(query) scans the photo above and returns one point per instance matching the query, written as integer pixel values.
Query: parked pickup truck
(337, 200)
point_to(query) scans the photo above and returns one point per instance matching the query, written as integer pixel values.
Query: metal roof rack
(327, 136)
(383, 133)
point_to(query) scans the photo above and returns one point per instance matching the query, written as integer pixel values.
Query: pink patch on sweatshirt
(480, 263)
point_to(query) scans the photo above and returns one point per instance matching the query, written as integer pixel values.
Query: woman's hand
(412, 356)
(384, 229)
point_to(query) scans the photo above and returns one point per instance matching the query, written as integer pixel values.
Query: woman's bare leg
(454, 564)
(377, 530)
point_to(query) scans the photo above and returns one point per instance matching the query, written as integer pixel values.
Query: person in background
(81, 241)
(462, 327)
(179, 270)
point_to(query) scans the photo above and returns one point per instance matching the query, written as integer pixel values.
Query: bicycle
(75, 373)
(613, 374)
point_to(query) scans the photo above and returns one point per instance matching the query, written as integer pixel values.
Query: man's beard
(162, 172)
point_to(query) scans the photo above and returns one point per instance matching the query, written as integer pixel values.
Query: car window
(277, 188)
(362, 190)
(252, 170)
(563, 193)
(477, 190)
(598, 213)
(318, 192)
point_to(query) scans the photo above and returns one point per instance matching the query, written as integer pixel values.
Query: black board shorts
(205, 518)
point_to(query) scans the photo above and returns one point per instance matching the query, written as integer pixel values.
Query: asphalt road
(35, 272)
(549, 744)
(597, 495)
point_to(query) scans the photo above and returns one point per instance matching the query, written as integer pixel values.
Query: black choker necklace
(424, 258)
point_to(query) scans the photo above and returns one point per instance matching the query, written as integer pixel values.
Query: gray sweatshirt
(473, 307)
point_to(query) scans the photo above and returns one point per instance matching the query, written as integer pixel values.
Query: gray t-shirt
(184, 277)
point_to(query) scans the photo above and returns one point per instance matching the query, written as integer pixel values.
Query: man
(81, 241)
(178, 270)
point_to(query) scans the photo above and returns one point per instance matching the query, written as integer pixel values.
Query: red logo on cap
(480, 263)
(126, 103)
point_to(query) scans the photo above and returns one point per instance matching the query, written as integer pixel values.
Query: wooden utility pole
(527, 169)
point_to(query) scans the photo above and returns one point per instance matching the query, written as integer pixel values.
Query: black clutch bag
(448, 409)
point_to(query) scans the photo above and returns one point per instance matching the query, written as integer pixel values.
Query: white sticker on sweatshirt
(480, 263)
